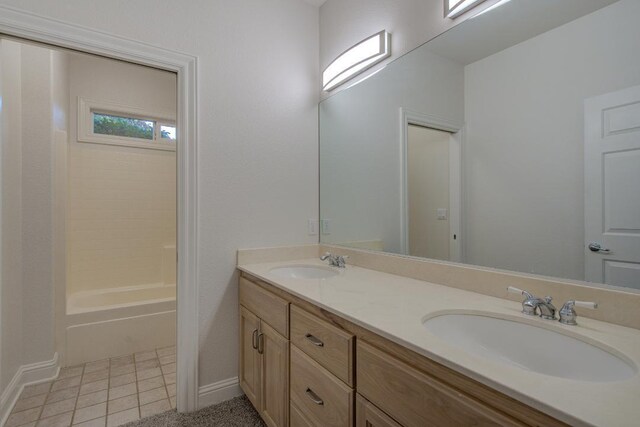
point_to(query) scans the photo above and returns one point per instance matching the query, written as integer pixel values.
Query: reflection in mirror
(511, 141)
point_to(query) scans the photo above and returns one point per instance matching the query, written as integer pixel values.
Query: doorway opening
(428, 189)
(431, 193)
(90, 168)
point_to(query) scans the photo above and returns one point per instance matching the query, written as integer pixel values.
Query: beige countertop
(395, 308)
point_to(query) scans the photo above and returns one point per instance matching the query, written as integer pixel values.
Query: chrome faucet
(335, 260)
(533, 306)
(568, 315)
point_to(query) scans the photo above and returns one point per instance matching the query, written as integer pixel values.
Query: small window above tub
(168, 133)
(455, 8)
(127, 127)
(102, 122)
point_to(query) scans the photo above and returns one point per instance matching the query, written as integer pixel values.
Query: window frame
(87, 107)
(448, 10)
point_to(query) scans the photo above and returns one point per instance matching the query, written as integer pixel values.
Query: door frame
(410, 117)
(32, 27)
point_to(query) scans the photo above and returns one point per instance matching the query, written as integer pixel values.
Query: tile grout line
(47, 394)
(122, 385)
(135, 369)
(75, 404)
(106, 409)
(44, 403)
(166, 390)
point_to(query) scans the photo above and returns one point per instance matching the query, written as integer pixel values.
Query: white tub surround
(104, 299)
(119, 321)
(395, 307)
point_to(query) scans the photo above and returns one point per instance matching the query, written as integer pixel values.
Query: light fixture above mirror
(455, 8)
(357, 59)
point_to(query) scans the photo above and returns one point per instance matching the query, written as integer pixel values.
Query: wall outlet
(325, 226)
(312, 227)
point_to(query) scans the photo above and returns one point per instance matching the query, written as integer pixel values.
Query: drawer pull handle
(254, 339)
(315, 341)
(261, 343)
(314, 397)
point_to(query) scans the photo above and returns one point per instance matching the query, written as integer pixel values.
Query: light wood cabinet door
(249, 356)
(274, 351)
(416, 399)
(367, 415)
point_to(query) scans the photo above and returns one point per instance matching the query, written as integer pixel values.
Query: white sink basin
(529, 347)
(304, 272)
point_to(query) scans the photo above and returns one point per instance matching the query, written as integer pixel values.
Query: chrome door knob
(597, 247)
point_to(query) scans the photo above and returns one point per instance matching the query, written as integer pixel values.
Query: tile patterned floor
(106, 393)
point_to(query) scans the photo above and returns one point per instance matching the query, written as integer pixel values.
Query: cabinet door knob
(314, 397)
(315, 341)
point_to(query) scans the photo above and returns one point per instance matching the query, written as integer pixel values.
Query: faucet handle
(586, 304)
(568, 315)
(325, 256)
(340, 260)
(519, 291)
(529, 305)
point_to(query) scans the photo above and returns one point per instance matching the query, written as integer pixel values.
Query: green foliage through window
(167, 132)
(106, 124)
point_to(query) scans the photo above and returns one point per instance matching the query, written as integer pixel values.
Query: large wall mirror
(511, 141)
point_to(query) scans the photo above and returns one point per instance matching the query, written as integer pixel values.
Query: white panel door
(612, 188)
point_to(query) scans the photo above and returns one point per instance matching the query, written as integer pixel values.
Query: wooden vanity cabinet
(359, 377)
(264, 353)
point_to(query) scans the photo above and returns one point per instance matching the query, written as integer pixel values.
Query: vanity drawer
(297, 418)
(326, 344)
(324, 399)
(415, 399)
(267, 306)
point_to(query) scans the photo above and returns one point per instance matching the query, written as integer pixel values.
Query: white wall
(11, 226)
(60, 141)
(258, 148)
(520, 126)
(344, 23)
(360, 144)
(37, 225)
(27, 292)
(121, 208)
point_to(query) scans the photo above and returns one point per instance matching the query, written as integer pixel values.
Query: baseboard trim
(33, 373)
(217, 392)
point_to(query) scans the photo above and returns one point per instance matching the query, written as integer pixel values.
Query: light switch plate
(312, 227)
(325, 226)
(442, 213)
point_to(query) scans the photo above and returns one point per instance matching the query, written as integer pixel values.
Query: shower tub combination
(122, 320)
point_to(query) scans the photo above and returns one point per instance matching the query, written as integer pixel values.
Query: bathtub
(119, 321)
